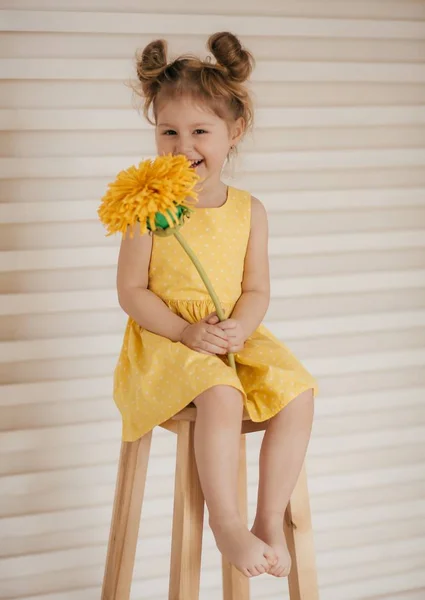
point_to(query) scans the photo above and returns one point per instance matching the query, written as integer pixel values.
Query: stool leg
(130, 487)
(299, 534)
(235, 584)
(188, 520)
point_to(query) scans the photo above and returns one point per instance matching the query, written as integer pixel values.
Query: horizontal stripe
(269, 118)
(277, 139)
(331, 8)
(97, 345)
(318, 265)
(47, 391)
(106, 256)
(86, 234)
(326, 367)
(391, 362)
(102, 299)
(44, 503)
(288, 201)
(93, 477)
(103, 45)
(348, 283)
(347, 242)
(261, 162)
(98, 95)
(97, 387)
(352, 590)
(119, 69)
(78, 558)
(166, 24)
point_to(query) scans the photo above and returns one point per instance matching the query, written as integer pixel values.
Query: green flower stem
(207, 283)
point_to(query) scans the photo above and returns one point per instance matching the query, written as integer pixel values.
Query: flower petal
(154, 186)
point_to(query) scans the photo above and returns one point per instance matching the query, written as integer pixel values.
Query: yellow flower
(157, 193)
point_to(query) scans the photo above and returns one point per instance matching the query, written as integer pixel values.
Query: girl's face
(184, 127)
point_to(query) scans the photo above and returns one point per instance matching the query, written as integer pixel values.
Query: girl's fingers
(217, 341)
(235, 348)
(213, 320)
(228, 324)
(235, 340)
(217, 332)
(231, 335)
(214, 349)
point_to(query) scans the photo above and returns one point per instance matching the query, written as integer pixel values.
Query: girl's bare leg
(217, 443)
(282, 455)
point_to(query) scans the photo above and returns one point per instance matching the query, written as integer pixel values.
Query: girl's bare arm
(142, 305)
(254, 300)
(149, 311)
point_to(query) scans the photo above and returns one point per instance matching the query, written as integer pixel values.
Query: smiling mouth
(196, 163)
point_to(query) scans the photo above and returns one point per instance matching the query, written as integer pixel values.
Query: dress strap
(240, 201)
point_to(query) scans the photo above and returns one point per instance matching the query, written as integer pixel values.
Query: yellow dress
(155, 378)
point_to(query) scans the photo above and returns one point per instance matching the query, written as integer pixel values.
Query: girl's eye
(200, 131)
(169, 132)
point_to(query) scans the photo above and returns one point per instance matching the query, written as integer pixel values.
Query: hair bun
(151, 62)
(229, 53)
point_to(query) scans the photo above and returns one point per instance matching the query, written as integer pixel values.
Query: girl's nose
(183, 146)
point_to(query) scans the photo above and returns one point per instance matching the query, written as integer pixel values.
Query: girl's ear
(238, 130)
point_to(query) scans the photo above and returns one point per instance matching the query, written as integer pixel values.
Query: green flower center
(176, 217)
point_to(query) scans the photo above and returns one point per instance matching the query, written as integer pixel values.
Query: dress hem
(273, 413)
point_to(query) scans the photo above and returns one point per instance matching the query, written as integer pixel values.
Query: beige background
(338, 159)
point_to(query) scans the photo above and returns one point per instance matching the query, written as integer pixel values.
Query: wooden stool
(186, 546)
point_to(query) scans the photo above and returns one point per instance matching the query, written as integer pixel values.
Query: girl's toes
(275, 568)
(284, 571)
(270, 556)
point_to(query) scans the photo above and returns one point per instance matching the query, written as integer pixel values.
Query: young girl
(174, 349)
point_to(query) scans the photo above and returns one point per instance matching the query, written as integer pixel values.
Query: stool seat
(188, 521)
(189, 414)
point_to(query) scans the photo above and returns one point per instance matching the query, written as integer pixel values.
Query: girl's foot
(270, 530)
(250, 555)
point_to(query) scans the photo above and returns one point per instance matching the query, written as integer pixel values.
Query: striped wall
(338, 158)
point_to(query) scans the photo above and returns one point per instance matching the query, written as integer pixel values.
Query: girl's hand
(233, 329)
(205, 337)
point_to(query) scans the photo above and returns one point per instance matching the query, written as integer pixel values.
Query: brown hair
(219, 84)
